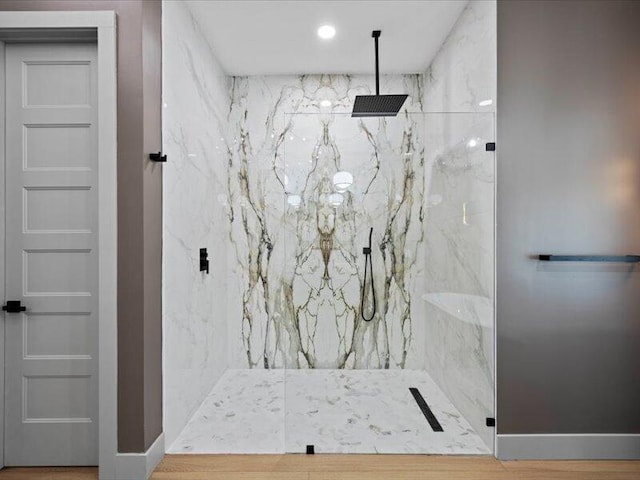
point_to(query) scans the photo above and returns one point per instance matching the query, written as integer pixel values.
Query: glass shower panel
(459, 274)
(361, 353)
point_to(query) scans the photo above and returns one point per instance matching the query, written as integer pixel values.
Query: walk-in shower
(332, 365)
(351, 305)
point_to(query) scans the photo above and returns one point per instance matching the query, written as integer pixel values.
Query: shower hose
(368, 266)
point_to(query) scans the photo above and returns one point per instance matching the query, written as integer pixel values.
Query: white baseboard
(568, 447)
(139, 466)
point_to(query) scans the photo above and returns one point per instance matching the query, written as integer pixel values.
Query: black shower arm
(376, 35)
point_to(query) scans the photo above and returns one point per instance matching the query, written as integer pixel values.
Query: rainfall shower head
(377, 105)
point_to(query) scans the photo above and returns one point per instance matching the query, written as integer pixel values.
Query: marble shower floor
(338, 411)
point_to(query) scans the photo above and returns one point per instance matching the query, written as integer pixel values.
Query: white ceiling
(271, 37)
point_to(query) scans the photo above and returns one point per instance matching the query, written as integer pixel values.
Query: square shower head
(378, 105)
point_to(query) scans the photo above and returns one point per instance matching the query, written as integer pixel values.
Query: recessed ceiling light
(326, 32)
(325, 103)
(486, 103)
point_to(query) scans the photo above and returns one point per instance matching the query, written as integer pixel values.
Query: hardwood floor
(387, 467)
(49, 473)
(353, 467)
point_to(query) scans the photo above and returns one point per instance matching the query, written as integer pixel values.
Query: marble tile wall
(297, 259)
(464, 72)
(196, 103)
(460, 216)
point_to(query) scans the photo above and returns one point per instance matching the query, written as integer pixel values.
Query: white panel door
(51, 362)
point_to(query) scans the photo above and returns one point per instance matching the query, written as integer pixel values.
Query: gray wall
(568, 351)
(152, 223)
(139, 212)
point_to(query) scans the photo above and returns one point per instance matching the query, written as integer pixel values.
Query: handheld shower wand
(368, 265)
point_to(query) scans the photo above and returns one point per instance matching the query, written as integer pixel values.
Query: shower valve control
(204, 260)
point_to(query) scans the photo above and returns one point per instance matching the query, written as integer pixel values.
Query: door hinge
(491, 422)
(490, 147)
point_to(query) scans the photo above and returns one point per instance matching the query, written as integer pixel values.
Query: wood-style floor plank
(219, 463)
(412, 475)
(573, 470)
(546, 475)
(326, 463)
(230, 476)
(387, 463)
(353, 467)
(49, 473)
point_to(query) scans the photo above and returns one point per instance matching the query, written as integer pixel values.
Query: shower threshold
(336, 411)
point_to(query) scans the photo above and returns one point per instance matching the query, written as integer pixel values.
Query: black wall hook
(157, 157)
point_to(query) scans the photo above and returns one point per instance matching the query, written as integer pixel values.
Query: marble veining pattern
(338, 411)
(196, 102)
(299, 265)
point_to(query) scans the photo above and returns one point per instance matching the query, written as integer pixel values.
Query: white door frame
(105, 25)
